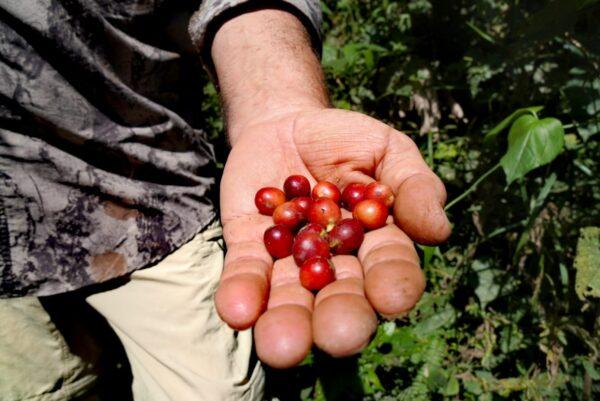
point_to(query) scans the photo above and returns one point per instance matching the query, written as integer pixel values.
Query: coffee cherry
(303, 203)
(296, 186)
(346, 236)
(384, 193)
(316, 273)
(309, 245)
(313, 228)
(267, 199)
(289, 215)
(325, 189)
(353, 193)
(278, 241)
(371, 213)
(324, 211)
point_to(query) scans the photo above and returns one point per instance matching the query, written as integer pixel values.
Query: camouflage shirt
(104, 166)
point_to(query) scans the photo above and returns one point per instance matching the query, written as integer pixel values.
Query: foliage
(501, 317)
(587, 281)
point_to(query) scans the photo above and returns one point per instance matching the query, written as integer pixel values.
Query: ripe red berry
(313, 228)
(267, 199)
(289, 215)
(296, 186)
(353, 193)
(309, 245)
(371, 213)
(384, 193)
(346, 236)
(278, 241)
(324, 211)
(325, 189)
(303, 203)
(316, 273)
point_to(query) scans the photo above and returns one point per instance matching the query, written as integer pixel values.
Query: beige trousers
(165, 318)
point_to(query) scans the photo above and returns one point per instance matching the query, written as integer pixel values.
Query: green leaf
(452, 387)
(587, 263)
(488, 284)
(435, 322)
(472, 386)
(481, 33)
(531, 144)
(509, 120)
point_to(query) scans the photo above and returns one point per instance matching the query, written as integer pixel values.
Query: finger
(394, 281)
(243, 289)
(283, 334)
(420, 194)
(343, 319)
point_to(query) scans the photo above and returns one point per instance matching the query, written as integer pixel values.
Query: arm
(266, 67)
(279, 124)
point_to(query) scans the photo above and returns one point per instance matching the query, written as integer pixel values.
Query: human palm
(340, 147)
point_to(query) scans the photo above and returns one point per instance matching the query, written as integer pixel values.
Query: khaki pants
(165, 318)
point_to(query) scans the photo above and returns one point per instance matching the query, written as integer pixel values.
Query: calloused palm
(341, 147)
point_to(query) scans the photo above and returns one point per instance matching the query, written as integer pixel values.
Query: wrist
(266, 69)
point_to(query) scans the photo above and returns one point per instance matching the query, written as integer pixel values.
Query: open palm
(340, 147)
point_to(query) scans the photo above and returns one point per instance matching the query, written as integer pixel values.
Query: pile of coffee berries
(309, 224)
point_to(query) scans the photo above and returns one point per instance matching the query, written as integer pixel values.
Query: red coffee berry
(371, 213)
(278, 241)
(353, 193)
(346, 236)
(325, 189)
(296, 186)
(313, 228)
(289, 215)
(303, 203)
(316, 273)
(309, 245)
(267, 199)
(324, 211)
(384, 193)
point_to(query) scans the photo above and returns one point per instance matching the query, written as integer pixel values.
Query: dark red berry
(289, 215)
(346, 236)
(309, 245)
(371, 213)
(384, 193)
(353, 193)
(325, 189)
(278, 241)
(313, 228)
(267, 199)
(296, 186)
(316, 273)
(324, 211)
(303, 203)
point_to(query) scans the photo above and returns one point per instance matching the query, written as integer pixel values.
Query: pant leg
(177, 346)
(36, 362)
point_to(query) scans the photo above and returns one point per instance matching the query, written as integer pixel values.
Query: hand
(340, 147)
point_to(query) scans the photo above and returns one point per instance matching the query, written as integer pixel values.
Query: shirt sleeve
(214, 12)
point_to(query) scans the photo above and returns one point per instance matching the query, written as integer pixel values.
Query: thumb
(420, 194)
(419, 209)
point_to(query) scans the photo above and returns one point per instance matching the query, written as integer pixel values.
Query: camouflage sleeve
(210, 11)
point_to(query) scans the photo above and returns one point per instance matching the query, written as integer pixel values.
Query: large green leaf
(531, 144)
(587, 263)
(504, 124)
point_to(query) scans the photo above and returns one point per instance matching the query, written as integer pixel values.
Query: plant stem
(430, 148)
(472, 187)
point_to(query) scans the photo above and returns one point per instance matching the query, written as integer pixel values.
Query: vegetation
(503, 98)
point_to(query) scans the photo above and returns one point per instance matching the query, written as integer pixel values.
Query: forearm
(265, 67)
